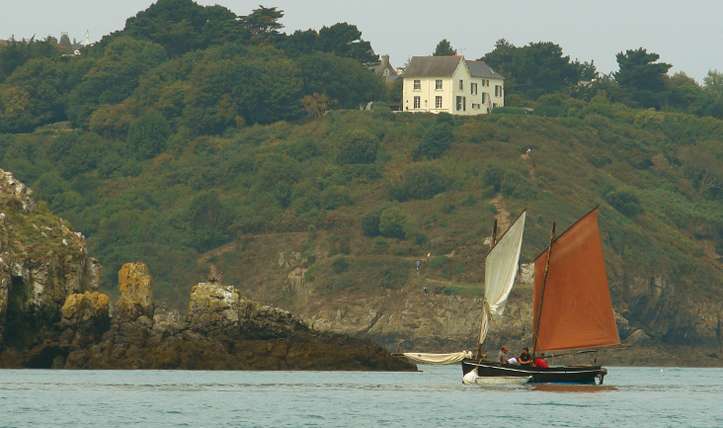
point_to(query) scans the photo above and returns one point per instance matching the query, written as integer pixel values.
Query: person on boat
(525, 358)
(540, 361)
(502, 356)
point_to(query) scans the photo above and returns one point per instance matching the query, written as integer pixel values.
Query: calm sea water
(435, 397)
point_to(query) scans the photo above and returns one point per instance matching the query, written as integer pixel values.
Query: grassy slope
(574, 164)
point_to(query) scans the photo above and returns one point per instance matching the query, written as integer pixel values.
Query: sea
(432, 397)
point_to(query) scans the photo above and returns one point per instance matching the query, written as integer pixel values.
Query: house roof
(443, 66)
(432, 66)
(481, 69)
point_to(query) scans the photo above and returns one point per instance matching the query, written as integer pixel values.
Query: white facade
(451, 85)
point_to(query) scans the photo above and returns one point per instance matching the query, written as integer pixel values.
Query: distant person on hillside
(419, 262)
(540, 361)
(502, 356)
(525, 358)
(426, 291)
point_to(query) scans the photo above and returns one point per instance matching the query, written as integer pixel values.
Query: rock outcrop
(223, 330)
(136, 293)
(42, 262)
(53, 316)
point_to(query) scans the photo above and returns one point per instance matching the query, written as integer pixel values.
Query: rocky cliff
(42, 262)
(53, 316)
(663, 325)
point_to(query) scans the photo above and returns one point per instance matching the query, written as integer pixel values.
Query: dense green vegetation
(162, 145)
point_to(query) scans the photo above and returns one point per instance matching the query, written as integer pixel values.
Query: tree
(537, 69)
(182, 25)
(32, 96)
(232, 86)
(642, 77)
(263, 23)
(147, 135)
(345, 40)
(114, 76)
(713, 83)
(326, 73)
(14, 54)
(318, 104)
(444, 48)
(684, 92)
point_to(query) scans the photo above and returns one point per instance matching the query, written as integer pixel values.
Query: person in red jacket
(539, 361)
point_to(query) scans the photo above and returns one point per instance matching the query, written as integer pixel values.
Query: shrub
(509, 110)
(334, 197)
(437, 262)
(393, 222)
(370, 222)
(358, 147)
(422, 182)
(625, 201)
(436, 141)
(339, 265)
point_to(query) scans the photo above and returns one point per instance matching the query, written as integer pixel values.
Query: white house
(451, 84)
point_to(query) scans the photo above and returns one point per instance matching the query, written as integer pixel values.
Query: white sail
(452, 358)
(500, 271)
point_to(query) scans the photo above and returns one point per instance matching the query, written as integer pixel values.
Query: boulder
(136, 293)
(86, 312)
(215, 309)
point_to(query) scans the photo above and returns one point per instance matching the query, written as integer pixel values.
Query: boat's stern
(601, 375)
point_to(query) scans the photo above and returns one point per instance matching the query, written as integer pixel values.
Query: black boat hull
(574, 374)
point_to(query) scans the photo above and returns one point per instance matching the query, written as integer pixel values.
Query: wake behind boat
(572, 309)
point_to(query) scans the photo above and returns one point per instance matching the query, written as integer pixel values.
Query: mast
(494, 235)
(479, 336)
(536, 325)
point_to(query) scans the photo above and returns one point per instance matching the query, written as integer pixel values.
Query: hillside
(180, 153)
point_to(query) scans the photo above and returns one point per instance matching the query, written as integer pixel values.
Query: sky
(687, 34)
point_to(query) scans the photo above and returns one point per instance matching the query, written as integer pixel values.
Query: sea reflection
(557, 387)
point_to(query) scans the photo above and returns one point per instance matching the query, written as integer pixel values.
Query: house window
(498, 90)
(438, 84)
(473, 88)
(417, 85)
(437, 102)
(461, 104)
(461, 85)
(417, 102)
(483, 97)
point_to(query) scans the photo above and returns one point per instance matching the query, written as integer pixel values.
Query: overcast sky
(687, 34)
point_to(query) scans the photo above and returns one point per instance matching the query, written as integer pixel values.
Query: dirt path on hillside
(214, 272)
(502, 216)
(528, 162)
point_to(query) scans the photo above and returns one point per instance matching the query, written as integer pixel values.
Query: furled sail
(576, 310)
(500, 271)
(452, 358)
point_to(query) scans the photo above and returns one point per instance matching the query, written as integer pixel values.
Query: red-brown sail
(576, 311)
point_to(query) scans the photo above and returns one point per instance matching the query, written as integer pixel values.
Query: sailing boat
(572, 309)
(500, 271)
